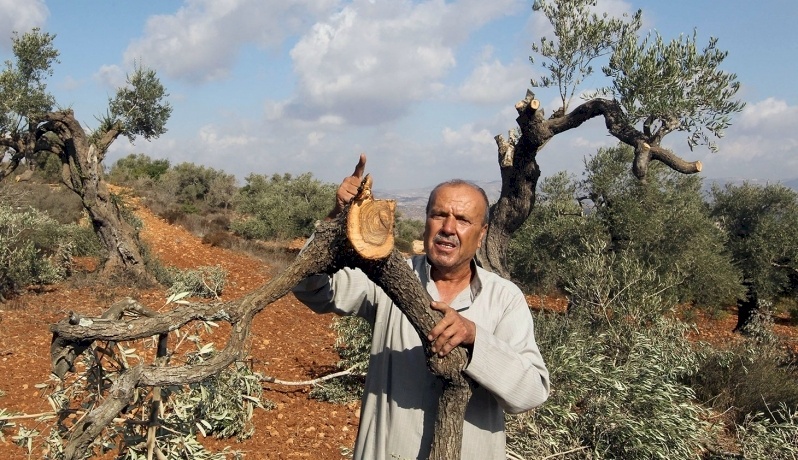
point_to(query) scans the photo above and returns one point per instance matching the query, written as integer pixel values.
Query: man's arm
(508, 363)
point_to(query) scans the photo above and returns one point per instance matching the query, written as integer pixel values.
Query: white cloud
(493, 81)
(771, 114)
(215, 141)
(761, 144)
(369, 63)
(110, 77)
(201, 40)
(20, 17)
(468, 141)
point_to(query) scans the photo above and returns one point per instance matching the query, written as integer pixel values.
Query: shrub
(617, 368)
(406, 231)
(552, 234)
(59, 203)
(353, 343)
(127, 170)
(282, 207)
(201, 281)
(759, 436)
(749, 378)
(34, 249)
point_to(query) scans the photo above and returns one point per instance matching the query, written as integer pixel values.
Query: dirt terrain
(288, 342)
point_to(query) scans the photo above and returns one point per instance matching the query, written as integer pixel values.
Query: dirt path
(288, 342)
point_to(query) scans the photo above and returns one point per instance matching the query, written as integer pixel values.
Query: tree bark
(520, 171)
(82, 172)
(330, 250)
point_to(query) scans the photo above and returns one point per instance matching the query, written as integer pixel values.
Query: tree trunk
(82, 172)
(331, 249)
(520, 172)
(747, 307)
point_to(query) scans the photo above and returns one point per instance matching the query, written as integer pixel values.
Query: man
(484, 313)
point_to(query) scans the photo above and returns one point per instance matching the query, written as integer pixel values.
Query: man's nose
(449, 225)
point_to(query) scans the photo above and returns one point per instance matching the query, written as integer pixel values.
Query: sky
(420, 87)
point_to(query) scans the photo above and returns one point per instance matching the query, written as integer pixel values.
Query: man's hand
(452, 330)
(348, 188)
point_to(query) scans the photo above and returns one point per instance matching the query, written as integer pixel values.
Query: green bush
(406, 231)
(201, 281)
(760, 437)
(761, 223)
(281, 207)
(749, 378)
(617, 368)
(59, 203)
(664, 223)
(127, 170)
(353, 343)
(34, 249)
(552, 234)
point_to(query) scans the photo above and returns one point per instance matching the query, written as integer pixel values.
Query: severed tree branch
(361, 236)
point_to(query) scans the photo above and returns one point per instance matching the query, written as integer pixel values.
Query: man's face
(454, 228)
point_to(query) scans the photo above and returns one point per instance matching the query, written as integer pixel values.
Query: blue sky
(421, 87)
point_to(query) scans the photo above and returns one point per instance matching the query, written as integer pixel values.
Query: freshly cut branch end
(369, 224)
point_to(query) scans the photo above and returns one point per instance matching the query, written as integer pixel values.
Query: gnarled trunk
(520, 172)
(82, 172)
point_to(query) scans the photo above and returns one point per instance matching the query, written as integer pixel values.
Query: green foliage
(23, 92)
(582, 36)
(552, 234)
(353, 343)
(759, 436)
(761, 223)
(675, 85)
(196, 188)
(34, 249)
(663, 87)
(139, 108)
(406, 231)
(665, 223)
(281, 206)
(132, 167)
(200, 281)
(749, 378)
(617, 368)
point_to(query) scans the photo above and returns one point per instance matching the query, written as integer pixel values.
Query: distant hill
(412, 202)
(723, 181)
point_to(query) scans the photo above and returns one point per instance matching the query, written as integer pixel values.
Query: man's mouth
(446, 243)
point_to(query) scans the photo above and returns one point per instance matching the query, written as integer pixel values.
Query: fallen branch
(363, 240)
(267, 379)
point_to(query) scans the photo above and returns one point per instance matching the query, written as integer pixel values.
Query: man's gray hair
(458, 182)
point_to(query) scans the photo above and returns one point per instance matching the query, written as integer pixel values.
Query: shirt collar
(476, 282)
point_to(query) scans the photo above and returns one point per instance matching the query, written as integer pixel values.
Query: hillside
(288, 342)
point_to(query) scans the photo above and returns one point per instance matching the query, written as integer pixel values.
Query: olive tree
(654, 88)
(32, 126)
(762, 227)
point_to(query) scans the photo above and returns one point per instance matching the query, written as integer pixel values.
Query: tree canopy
(651, 88)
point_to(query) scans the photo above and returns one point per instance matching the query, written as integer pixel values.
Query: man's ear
(482, 235)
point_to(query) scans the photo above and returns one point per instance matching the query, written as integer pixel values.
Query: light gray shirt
(401, 395)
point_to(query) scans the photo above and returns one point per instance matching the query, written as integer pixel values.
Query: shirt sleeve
(347, 292)
(507, 361)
